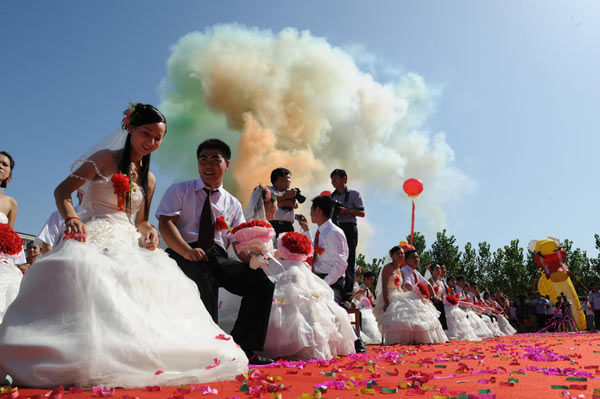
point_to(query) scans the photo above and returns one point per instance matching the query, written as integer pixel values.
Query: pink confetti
(101, 392)
(215, 364)
(223, 337)
(159, 372)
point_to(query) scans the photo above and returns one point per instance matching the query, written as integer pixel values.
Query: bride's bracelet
(72, 217)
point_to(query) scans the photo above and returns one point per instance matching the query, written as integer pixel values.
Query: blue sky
(518, 102)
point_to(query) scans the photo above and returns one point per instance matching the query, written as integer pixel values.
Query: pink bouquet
(256, 238)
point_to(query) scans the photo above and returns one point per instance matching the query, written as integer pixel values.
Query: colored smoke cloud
(292, 99)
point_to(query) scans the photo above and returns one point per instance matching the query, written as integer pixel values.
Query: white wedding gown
(305, 321)
(407, 319)
(10, 277)
(109, 313)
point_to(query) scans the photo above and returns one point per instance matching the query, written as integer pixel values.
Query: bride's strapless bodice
(106, 225)
(395, 283)
(100, 201)
(3, 218)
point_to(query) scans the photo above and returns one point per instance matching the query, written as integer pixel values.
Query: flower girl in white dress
(106, 307)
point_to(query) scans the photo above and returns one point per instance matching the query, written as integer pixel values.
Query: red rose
(296, 243)
(423, 289)
(10, 242)
(221, 224)
(121, 183)
(451, 299)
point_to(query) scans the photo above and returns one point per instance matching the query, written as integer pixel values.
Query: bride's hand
(150, 240)
(75, 229)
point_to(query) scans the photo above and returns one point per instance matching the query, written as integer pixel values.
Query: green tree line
(510, 268)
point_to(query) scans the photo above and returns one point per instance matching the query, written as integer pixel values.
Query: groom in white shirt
(187, 220)
(330, 257)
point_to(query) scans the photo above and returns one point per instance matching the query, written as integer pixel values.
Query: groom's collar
(199, 185)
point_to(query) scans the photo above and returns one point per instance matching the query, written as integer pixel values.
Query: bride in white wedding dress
(106, 307)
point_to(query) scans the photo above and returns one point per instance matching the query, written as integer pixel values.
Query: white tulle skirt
(369, 331)
(305, 321)
(10, 281)
(492, 325)
(410, 320)
(478, 325)
(110, 313)
(504, 325)
(459, 326)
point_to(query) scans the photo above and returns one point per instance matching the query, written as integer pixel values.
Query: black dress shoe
(257, 360)
(359, 346)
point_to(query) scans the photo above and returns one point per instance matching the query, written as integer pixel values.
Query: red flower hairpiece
(126, 121)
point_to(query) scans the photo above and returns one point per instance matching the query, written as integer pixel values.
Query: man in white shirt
(330, 257)
(461, 283)
(410, 274)
(187, 215)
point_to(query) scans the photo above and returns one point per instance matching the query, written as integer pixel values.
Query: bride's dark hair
(11, 161)
(141, 114)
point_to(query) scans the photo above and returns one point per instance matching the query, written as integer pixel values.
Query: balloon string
(535, 278)
(412, 224)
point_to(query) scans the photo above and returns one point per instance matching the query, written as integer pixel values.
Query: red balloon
(326, 192)
(413, 187)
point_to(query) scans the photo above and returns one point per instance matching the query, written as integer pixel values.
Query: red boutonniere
(221, 224)
(318, 250)
(436, 288)
(397, 281)
(122, 187)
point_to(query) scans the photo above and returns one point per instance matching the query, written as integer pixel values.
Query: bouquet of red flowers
(294, 246)
(255, 237)
(422, 291)
(451, 300)
(10, 242)
(122, 187)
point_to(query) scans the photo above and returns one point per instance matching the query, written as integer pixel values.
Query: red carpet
(561, 365)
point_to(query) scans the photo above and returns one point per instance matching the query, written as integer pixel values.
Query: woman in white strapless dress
(404, 317)
(10, 275)
(107, 307)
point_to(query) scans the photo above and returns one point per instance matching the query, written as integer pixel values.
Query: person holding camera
(287, 200)
(349, 206)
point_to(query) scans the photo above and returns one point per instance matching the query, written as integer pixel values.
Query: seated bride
(405, 317)
(305, 322)
(106, 307)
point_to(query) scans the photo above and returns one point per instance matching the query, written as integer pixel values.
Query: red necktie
(315, 246)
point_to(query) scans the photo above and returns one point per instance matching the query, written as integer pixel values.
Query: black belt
(281, 223)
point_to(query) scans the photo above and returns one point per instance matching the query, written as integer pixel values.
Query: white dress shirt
(594, 300)
(54, 229)
(409, 274)
(334, 259)
(186, 200)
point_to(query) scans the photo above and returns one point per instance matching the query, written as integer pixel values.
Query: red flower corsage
(423, 290)
(436, 288)
(122, 187)
(221, 224)
(10, 242)
(397, 281)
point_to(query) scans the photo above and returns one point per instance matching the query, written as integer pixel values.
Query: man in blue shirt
(350, 206)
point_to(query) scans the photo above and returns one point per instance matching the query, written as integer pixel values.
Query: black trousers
(255, 288)
(440, 306)
(337, 287)
(281, 226)
(351, 233)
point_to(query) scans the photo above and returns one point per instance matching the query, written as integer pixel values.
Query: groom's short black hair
(325, 203)
(214, 144)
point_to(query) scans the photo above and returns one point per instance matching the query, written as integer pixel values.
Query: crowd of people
(99, 303)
